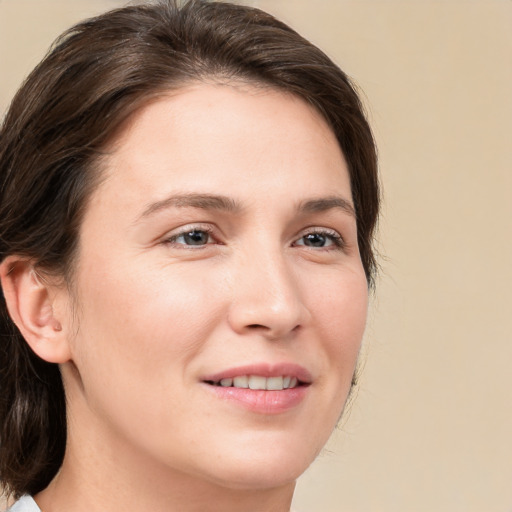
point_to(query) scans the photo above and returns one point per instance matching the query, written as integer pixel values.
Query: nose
(267, 298)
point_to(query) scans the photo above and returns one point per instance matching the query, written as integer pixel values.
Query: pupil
(315, 240)
(196, 238)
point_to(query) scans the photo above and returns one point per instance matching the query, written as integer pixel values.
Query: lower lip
(262, 401)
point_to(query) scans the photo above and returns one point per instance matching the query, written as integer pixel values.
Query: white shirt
(25, 504)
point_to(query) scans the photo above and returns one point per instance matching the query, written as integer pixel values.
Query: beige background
(431, 427)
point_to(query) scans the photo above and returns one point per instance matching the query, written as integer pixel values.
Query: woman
(188, 199)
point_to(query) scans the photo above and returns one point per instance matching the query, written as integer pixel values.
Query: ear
(37, 308)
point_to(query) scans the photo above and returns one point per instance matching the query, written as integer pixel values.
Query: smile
(268, 389)
(258, 382)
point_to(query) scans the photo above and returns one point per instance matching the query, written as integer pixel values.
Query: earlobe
(32, 306)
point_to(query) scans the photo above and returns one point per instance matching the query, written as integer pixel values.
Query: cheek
(144, 318)
(140, 331)
(340, 316)
(340, 308)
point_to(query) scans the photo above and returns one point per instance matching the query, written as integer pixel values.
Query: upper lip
(263, 370)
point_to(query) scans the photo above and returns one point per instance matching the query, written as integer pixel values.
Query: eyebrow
(227, 204)
(201, 201)
(327, 203)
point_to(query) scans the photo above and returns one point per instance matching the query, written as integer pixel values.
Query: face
(219, 292)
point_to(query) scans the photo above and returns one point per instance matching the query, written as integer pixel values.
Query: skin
(149, 315)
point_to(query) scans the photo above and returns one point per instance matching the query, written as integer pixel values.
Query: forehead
(232, 139)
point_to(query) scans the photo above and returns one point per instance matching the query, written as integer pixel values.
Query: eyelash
(329, 234)
(173, 239)
(333, 236)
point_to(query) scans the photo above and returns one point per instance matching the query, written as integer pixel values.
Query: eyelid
(171, 237)
(338, 242)
(334, 235)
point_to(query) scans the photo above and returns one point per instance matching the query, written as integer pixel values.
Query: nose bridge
(267, 297)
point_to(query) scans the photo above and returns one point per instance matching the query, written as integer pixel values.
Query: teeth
(275, 383)
(241, 382)
(261, 383)
(256, 382)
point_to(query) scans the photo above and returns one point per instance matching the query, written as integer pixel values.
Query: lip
(262, 401)
(264, 370)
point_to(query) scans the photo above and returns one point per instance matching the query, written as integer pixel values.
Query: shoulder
(25, 504)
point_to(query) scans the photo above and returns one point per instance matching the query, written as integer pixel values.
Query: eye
(320, 239)
(195, 237)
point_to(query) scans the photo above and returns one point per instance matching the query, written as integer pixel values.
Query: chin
(255, 477)
(265, 466)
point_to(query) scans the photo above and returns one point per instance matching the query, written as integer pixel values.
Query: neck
(178, 497)
(101, 473)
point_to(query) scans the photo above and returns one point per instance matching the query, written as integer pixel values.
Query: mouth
(261, 388)
(258, 382)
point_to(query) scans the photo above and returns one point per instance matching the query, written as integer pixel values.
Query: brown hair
(96, 75)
